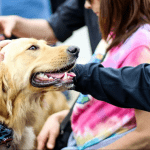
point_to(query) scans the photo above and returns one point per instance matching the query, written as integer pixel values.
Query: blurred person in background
(41, 9)
(68, 17)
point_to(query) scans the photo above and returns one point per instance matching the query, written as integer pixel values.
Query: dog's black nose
(73, 50)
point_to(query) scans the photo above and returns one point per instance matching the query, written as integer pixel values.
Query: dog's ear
(3, 106)
(6, 92)
(2, 45)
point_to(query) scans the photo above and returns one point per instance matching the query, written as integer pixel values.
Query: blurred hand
(2, 44)
(7, 24)
(50, 130)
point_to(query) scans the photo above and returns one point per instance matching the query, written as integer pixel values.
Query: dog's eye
(33, 47)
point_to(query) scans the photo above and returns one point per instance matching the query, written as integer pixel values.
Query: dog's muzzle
(59, 77)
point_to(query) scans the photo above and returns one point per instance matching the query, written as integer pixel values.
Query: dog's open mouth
(56, 78)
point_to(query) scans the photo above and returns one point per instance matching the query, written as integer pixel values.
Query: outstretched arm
(22, 27)
(125, 87)
(68, 17)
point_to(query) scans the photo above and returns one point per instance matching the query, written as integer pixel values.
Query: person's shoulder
(141, 37)
(143, 32)
(145, 27)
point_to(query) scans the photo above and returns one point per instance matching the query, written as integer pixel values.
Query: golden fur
(23, 107)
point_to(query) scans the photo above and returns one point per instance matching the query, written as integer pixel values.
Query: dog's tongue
(61, 75)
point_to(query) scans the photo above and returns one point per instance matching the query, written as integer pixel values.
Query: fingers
(45, 135)
(7, 24)
(51, 140)
(49, 133)
(4, 43)
(50, 130)
(8, 30)
(42, 138)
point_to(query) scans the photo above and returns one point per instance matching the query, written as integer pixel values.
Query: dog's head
(30, 67)
(34, 64)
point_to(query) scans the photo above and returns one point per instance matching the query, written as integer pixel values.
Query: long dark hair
(123, 18)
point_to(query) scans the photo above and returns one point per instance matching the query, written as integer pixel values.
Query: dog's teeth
(65, 76)
(45, 76)
(41, 75)
(38, 76)
(51, 78)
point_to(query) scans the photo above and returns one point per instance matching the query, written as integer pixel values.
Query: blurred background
(80, 39)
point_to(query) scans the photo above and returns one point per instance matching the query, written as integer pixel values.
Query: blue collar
(6, 134)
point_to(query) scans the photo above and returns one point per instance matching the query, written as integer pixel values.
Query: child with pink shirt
(93, 121)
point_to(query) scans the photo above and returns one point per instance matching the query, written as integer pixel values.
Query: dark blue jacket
(72, 15)
(55, 4)
(127, 87)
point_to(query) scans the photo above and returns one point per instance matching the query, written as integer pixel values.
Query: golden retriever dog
(30, 76)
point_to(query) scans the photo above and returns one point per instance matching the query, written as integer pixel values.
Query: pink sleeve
(137, 56)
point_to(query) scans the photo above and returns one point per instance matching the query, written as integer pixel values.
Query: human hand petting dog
(50, 130)
(7, 25)
(2, 44)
